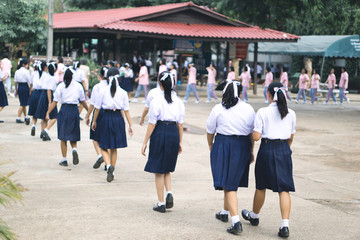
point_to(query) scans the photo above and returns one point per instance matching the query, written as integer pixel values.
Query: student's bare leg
(226, 207)
(97, 148)
(106, 156)
(159, 183)
(167, 181)
(259, 199)
(113, 156)
(63, 148)
(73, 144)
(285, 204)
(24, 110)
(1, 108)
(20, 111)
(231, 202)
(51, 123)
(43, 124)
(34, 120)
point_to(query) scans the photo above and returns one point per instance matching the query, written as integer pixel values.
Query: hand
(87, 121)
(210, 146)
(131, 132)
(47, 116)
(93, 127)
(16, 93)
(143, 149)
(180, 149)
(252, 159)
(142, 122)
(137, 79)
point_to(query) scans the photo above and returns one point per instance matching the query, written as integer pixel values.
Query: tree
(23, 21)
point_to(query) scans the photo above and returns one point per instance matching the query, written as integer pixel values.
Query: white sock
(168, 192)
(17, 118)
(33, 125)
(64, 159)
(253, 215)
(74, 149)
(235, 219)
(99, 156)
(27, 117)
(224, 212)
(161, 204)
(108, 166)
(284, 223)
(46, 130)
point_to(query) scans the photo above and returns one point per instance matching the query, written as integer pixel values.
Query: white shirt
(95, 94)
(38, 81)
(50, 83)
(120, 101)
(73, 94)
(22, 75)
(268, 122)
(128, 73)
(79, 75)
(153, 93)
(161, 110)
(237, 120)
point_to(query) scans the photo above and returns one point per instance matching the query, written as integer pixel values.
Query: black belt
(22, 83)
(69, 104)
(266, 140)
(112, 110)
(234, 136)
(166, 122)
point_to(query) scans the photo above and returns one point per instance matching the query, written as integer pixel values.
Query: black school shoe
(63, 163)
(246, 215)
(105, 168)
(98, 163)
(32, 131)
(169, 201)
(46, 136)
(284, 232)
(27, 121)
(110, 175)
(158, 208)
(19, 121)
(42, 134)
(222, 217)
(236, 229)
(75, 157)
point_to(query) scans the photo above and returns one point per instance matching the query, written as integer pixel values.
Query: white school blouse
(37, 81)
(50, 83)
(73, 94)
(79, 75)
(22, 75)
(237, 120)
(161, 110)
(153, 93)
(268, 122)
(95, 94)
(120, 101)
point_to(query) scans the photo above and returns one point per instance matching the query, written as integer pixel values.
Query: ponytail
(22, 62)
(68, 77)
(278, 93)
(52, 66)
(167, 82)
(104, 72)
(76, 64)
(231, 94)
(113, 86)
(41, 67)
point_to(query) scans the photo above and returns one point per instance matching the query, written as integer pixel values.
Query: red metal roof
(200, 30)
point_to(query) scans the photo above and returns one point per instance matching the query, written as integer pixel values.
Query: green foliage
(23, 21)
(94, 72)
(354, 83)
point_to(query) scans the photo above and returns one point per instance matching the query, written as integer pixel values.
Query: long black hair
(22, 62)
(52, 66)
(166, 81)
(228, 98)
(113, 72)
(76, 65)
(41, 67)
(281, 99)
(68, 75)
(104, 72)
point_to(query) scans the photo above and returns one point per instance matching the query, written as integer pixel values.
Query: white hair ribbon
(20, 61)
(276, 90)
(166, 75)
(69, 68)
(75, 64)
(39, 66)
(105, 71)
(51, 63)
(235, 84)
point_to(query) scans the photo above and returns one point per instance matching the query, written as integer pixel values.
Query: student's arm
(85, 105)
(16, 88)
(210, 139)
(128, 118)
(252, 148)
(149, 131)
(51, 107)
(256, 136)
(49, 96)
(142, 119)
(181, 130)
(84, 85)
(96, 114)
(297, 84)
(5, 77)
(290, 140)
(87, 120)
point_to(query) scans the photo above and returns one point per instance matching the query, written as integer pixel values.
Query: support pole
(322, 67)
(49, 52)
(255, 67)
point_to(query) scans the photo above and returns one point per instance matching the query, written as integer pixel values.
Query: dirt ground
(76, 202)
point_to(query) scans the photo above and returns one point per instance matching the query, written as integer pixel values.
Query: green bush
(354, 83)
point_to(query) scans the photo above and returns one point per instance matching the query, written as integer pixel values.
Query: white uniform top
(73, 94)
(120, 101)
(22, 75)
(237, 120)
(95, 94)
(38, 81)
(79, 75)
(50, 83)
(128, 73)
(268, 122)
(153, 93)
(161, 110)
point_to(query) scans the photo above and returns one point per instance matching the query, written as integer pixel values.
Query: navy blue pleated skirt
(43, 106)
(273, 169)
(163, 149)
(112, 130)
(95, 135)
(230, 159)
(24, 94)
(3, 96)
(68, 123)
(127, 84)
(34, 101)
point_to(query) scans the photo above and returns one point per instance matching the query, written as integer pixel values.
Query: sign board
(188, 46)
(238, 50)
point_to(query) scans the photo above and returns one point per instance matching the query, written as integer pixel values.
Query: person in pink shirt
(6, 69)
(331, 80)
(269, 78)
(302, 83)
(191, 87)
(284, 80)
(162, 67)
(231, 74)
(60, 70)
(210, 83)
(245, 78)
(315, 79)
(143, 80)
(174, 74)
(343, 85)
